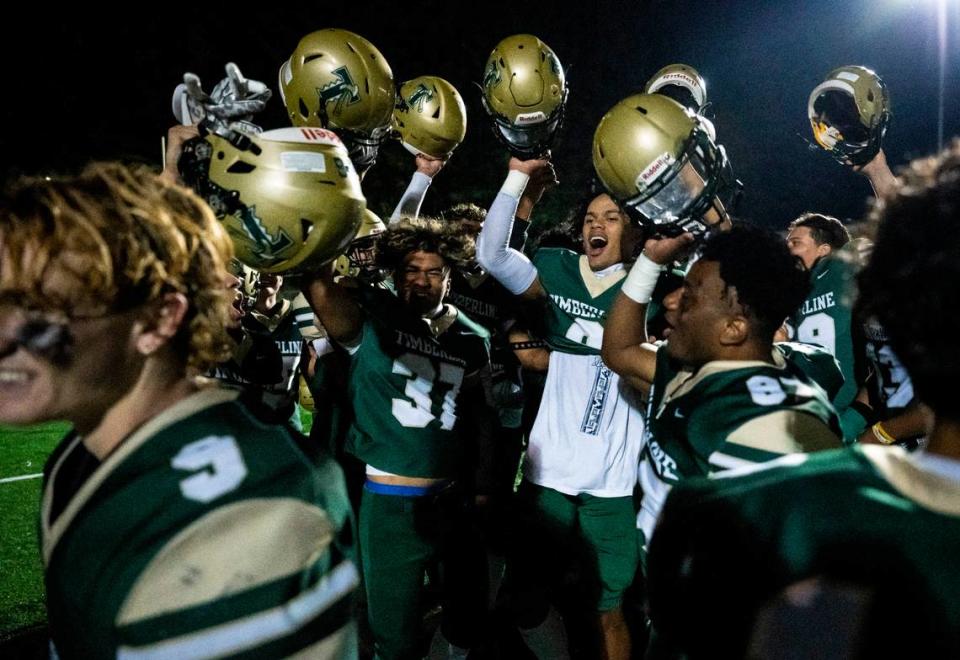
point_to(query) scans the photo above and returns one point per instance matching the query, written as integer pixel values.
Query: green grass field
(22, 452)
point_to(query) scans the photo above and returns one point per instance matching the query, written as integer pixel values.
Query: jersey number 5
(424, 384)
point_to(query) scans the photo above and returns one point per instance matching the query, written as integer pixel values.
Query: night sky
(96, 83)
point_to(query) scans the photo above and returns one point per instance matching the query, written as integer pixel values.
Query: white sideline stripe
(21, 477)
(255, 629)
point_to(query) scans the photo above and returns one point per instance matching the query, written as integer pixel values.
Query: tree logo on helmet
(342, 90)
(420, 96)
(492, 77)
(265, 245)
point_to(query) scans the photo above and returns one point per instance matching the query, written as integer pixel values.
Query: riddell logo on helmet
(655, 170)
(526, 118)
(682, 77)
(321, 134)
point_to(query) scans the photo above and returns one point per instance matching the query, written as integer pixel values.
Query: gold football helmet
(289, 198)
(430, 117)
(657, 159)
(524, 93)
(338, 80)
(360, 258)
(849, 113)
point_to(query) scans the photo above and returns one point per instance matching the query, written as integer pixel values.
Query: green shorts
(556, 526)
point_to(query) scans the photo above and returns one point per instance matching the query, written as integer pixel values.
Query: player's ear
(823, 250)
(735, 331)
(162, 323)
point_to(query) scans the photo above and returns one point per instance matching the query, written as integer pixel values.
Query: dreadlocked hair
(464, 212)
(424, 234)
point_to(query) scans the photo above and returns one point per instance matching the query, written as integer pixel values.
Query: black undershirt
(74, 471)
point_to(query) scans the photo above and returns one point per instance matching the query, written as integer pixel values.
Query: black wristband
(523, 345)
(865, 411)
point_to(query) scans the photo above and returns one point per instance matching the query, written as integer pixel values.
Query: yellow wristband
(881, 434)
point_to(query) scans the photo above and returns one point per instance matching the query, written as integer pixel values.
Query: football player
(173, 522)
(825, 317)
(721, 394)
(417, 365)
(849, 113)
(430, 121)
(899, 522)
(580, 465)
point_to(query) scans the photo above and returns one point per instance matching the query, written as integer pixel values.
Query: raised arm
(879, 174)
(339, 313)
(409, 204)
(176, 136)
(520, 192)
(625, 349)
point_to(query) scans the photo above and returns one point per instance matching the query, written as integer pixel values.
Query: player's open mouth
(596, 245)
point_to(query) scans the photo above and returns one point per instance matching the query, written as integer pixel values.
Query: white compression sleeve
(409, 205)
(510, 267)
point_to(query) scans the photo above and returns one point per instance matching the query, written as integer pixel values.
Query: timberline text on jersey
(818, 303)
(426, 347)
(577, 308)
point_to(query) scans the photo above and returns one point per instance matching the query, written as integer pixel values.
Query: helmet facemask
(527, 140)
(524, 92)
(849, 114)
(362, 149)
(362, 257)
(681, 95)
(698, 185)
(838, 129)
(194, 166)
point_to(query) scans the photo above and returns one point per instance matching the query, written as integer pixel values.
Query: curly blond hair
(118, 237)
(426, 235)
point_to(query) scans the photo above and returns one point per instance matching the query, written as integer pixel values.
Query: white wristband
(642, 280)
(515, 184)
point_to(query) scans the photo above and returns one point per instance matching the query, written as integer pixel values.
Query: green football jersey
(405, 386)
(890, 389)
(488, 303)
(731, 414)
(727, 544)
(268, 360)
(206, 533)
(825, 319)
(579, 300)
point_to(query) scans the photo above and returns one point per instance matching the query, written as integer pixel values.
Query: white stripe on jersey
(255, 629)
(726, 462)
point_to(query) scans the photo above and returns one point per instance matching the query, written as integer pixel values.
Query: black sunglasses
(45, 338)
